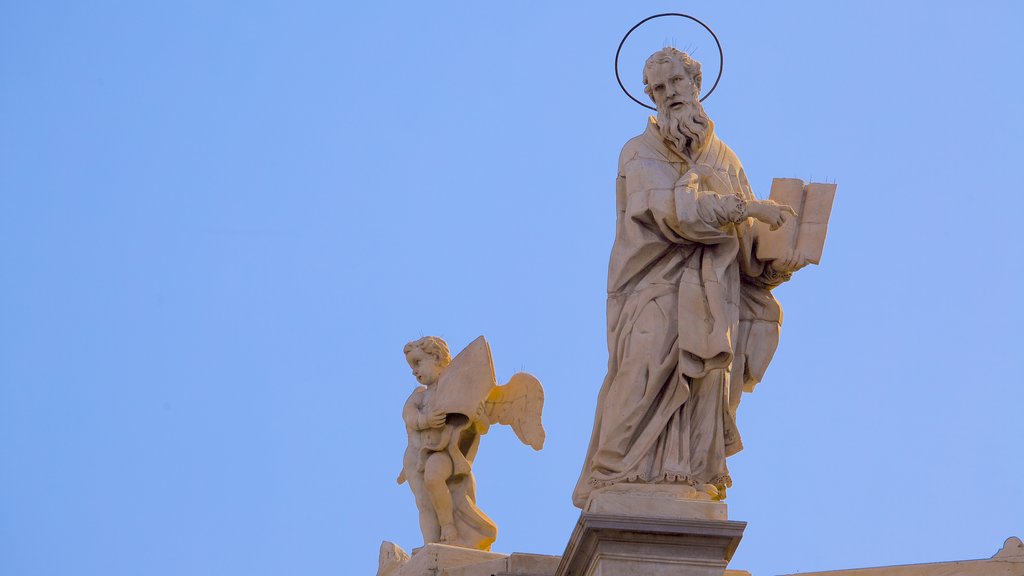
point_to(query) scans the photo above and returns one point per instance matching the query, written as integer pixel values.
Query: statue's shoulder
(417, 394)
(638, 147)
(720, 155)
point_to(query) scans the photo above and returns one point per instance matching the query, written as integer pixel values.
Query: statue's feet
(721, 492)
(711, 490)
(449, 534)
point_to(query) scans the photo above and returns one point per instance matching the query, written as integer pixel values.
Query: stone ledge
(1009, 561)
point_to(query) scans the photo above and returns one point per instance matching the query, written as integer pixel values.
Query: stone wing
(519, 404)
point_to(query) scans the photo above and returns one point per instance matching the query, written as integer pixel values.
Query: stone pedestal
(621, 545)
(656, 501)
(443, 560)
(430, 560)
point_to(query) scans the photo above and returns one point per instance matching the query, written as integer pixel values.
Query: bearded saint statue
(692, 322)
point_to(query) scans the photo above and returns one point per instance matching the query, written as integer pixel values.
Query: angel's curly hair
(433, 346)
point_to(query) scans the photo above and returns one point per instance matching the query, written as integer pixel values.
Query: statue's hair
(433, 346)
(667, 55)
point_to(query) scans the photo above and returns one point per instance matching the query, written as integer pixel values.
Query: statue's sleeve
(758, 272)
(770, 278)
(663, 203)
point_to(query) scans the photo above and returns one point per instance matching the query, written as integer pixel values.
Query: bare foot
(449, 534)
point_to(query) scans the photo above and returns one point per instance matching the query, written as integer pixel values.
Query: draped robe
(691, 319)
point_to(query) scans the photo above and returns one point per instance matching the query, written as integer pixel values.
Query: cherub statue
(445, 418)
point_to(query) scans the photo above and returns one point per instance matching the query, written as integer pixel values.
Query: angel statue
(445, 418)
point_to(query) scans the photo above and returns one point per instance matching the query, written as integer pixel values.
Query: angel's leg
(428, 519)
(436, 472)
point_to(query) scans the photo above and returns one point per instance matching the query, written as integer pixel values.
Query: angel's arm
(412, 413)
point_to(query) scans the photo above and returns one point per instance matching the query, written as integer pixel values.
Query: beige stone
(617, 545)
(456, 404)
(656, 501)
(433, 560)
(512, 565)
(610, 544)
(391, 559)
(692, 322)
(444, 560)
(804, 234)
(1009, 561)
(521, 565)
(1012, 550)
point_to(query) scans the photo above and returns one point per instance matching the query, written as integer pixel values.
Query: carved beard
(686, 129)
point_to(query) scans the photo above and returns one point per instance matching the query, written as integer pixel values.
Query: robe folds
(691, 319)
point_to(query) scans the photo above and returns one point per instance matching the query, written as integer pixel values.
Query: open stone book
(805, 233)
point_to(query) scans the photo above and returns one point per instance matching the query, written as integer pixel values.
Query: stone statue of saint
(457, 402)
(692, 322)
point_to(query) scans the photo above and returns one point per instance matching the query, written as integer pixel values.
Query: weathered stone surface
(1009, 561)
(615, 545)
(513, 565)
(1012, 550)
(391, 559)
(437, 560)
(683, 549)
(457, 402)
(692, 322)
(804, 233)
(656, 501)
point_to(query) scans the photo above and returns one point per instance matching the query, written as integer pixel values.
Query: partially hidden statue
(456, 404)
(692, 322)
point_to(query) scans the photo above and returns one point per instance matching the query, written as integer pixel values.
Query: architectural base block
(656, 501)
(430, 560)
(621, 545)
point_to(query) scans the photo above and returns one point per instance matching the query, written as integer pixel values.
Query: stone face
(692, 322)
(456, 404)
(616, 545)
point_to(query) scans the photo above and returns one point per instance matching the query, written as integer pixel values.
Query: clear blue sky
(220, 223)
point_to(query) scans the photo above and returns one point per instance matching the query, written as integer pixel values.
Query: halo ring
(721, 57)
